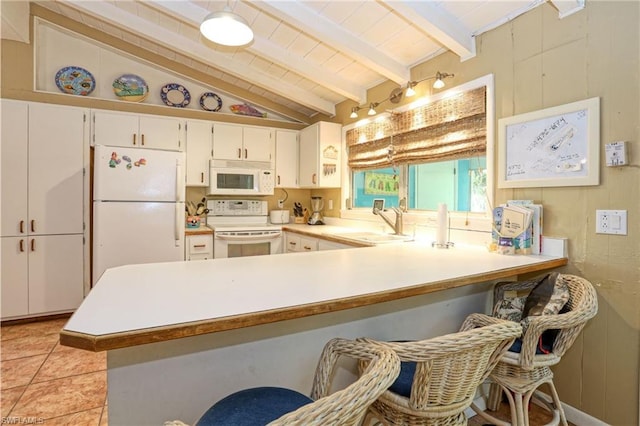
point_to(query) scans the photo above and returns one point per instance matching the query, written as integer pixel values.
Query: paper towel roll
(442, 225)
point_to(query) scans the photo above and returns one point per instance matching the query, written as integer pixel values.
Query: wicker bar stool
(279, 406)
(439, 376)
(519, 375)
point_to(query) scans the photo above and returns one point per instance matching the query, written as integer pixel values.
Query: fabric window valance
(450, 128)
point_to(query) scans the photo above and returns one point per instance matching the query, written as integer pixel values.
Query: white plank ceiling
(307, 55)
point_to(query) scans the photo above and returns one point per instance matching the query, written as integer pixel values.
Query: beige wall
(541, 61)
(538, 61)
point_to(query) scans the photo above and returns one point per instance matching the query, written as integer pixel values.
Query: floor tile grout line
(33, 377)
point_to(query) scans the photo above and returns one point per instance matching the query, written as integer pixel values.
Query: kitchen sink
(372, 237)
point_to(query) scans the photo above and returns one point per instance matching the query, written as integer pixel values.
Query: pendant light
(226, 28)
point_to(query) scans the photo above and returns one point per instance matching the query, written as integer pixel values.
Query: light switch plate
(611, 222)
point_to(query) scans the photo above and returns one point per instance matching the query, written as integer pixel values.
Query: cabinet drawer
(198, 246)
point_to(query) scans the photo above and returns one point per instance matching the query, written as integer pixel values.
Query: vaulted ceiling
(307, 55)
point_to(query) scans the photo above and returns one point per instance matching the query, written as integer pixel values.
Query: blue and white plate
(175, 95)
(130, 87)
(75, 81)
(209, 101)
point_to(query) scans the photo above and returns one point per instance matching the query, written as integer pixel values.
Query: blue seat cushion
(544, 346)
(253, 407)
(402, 385)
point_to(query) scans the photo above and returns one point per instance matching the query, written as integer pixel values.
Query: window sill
(459, 221)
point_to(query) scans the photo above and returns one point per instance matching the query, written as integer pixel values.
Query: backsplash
(290, 195)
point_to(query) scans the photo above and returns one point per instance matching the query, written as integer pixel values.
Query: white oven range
(241, 228)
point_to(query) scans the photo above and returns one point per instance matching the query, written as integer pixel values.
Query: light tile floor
(44, 382)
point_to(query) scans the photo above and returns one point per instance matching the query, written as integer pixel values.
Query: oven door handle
(246, 237)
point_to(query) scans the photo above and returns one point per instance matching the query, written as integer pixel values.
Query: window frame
(475, 221)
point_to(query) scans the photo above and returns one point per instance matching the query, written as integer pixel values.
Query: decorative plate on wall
(175, 95)
(210, 102)
(75, 81)
(130, 87)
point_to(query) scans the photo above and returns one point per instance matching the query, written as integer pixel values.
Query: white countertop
(136, 298)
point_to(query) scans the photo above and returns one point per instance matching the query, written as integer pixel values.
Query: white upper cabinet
(258, 144)
(15, 148)
(140, 131)
(42, 168)
(199, 150)
(57, 137)
(320, 155)
(242, 143)
(286, 158)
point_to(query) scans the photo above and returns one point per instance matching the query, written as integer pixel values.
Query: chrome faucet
(397, 227)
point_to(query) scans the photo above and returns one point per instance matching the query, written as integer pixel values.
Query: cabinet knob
(134, 138)
(246, 153)
(278, 179)
(313, 179)
(202, 177)
(22, 226)
(142, 139)
(239, 153)
(21, 245)
(33, 244)
(33, 225)
(199, 245)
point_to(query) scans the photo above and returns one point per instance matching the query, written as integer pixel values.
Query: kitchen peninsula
(182, 335)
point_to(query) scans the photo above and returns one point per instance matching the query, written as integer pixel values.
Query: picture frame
(557, 146)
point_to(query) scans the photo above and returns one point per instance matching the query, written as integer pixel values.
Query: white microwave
(228, 177)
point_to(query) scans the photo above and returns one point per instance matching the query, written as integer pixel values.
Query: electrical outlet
(611, 222)
(280, 204)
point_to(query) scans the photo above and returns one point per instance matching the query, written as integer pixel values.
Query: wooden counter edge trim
(159, 334)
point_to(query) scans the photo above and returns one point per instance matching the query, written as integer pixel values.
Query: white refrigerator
(138, 207)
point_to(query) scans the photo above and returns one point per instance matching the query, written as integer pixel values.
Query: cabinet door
(56, 180)
(199, 247)
(198, 152)
(14, 276)
(308, 164)
(286, 159)
(115, 129)
(161, 133)
(330, 136)
(308, 244)
(55, 273)
(227, 142)
(14, 143)
(291, 242)
(257, 144)
(332, 245)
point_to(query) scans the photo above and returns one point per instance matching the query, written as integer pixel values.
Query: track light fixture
(438, 84)
(396, 94)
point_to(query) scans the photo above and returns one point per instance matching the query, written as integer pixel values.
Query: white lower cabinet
(199, 247)
(332, 245)
(297, 243)
(41, 274)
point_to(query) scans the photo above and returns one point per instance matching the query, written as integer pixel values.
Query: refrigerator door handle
(178, 186)
(176, 234)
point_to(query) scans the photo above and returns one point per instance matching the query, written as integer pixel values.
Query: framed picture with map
(558, 146)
